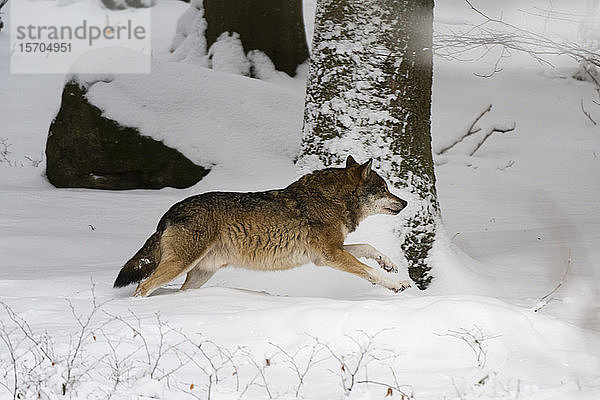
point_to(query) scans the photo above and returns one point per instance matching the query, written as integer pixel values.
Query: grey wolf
(305, 222)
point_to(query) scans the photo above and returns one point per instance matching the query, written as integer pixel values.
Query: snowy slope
(518, 207)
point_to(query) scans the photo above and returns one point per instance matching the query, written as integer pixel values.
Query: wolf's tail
(142, 264)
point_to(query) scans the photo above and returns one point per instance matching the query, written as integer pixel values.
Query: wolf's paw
(139, 292)
(385, 263)
(400, 286)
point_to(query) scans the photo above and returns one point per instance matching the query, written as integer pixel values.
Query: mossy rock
(87, 150)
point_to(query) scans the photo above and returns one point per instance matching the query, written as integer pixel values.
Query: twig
(489, 133)
(115, 363)
(587, 114)
(137, 332)
(260, 373)
(5, 337)
(592, 76)
(472, 130)
(351, 364)
(508, 165)
(504, 54)
(84, 331)
(4, 151)
(395, 387)
(475, 339)
(301, 372)
(26, 330)
(547, 298)
(210, 383)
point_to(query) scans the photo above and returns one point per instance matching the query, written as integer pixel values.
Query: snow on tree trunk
(369, 95)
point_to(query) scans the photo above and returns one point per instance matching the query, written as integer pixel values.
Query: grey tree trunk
(369, 94)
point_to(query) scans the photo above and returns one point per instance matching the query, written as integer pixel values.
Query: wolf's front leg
(345, 261)
(368, 251)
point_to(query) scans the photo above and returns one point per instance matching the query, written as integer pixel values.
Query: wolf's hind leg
(203, 270)
(368, 251)
(180, 252)
(196, 278)
(168, 269)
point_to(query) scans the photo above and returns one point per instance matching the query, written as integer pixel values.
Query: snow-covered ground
(513, 213)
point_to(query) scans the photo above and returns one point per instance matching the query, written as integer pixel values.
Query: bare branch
(508, 165)
(471, 131)
(389, 386)
(489, 133)
(475, 338)
(547, 298)
(495, 33)
(260, 373)
(301, 371)
(587, 113)
(5, 336)
(504, 54)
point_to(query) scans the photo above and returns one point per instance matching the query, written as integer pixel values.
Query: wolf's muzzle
(399, 206)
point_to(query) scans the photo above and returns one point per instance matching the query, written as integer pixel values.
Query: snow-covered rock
(87, 149)
(205, 114)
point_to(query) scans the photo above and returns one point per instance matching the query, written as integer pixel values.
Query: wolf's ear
(350, 161)
(365, 169)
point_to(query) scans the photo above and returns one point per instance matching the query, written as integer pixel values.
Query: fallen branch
(544, 300)
(508, 165)
(471, 131)
(491, 131)
(587, 113)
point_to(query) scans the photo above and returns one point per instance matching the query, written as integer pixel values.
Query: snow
(513, 213)
(189, 43)
(227, 55)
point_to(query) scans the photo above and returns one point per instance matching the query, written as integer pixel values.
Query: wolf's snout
(397, 208)
(397, 205)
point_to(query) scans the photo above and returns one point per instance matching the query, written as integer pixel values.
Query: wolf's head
(372, 190)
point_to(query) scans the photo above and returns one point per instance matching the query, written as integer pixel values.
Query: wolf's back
(142, 264)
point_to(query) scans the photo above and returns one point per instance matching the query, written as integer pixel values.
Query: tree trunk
(369, 94)
(276, 27)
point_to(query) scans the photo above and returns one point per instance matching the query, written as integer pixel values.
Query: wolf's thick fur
(275, 230)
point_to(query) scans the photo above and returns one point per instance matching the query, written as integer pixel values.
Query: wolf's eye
(377, 190)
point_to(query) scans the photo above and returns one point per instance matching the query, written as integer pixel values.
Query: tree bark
(369, 94)
(276, 27)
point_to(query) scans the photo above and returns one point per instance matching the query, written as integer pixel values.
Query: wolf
(305, 222)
